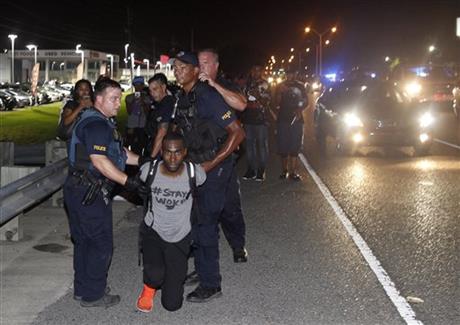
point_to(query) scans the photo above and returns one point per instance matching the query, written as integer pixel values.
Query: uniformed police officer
(231, 219)
(96, 162)
(160, 113)
(212, 133)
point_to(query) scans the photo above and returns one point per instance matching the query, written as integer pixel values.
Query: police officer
(160, 113)
(212, 133)
(291, 99)
(231, 219)
(96, 162)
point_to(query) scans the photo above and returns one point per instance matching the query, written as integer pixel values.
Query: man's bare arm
(235, 136)
(162, 130)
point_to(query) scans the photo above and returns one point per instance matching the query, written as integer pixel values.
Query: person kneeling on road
(165, 231)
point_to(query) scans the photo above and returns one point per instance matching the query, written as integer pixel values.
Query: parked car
(372, 113)
(23, 99)
(126, 84)
(8, 102)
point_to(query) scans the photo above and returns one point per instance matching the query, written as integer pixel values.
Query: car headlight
(316, 85)
(426, 120)
(413, 89)
(352, 120)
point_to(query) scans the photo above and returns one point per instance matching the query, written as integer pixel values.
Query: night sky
(245, 32)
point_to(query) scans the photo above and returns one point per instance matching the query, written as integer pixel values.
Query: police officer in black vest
(160, 113)
(96, 162)
(212, 133)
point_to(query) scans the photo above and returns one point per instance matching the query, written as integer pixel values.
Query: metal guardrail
(27, 191)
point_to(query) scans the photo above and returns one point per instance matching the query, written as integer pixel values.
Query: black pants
(231, 219)
(165, 266)
(91, 231)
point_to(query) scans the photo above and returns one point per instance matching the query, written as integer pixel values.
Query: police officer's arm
(234, 99)
(235, 136)
(103, 164)
(162, 130)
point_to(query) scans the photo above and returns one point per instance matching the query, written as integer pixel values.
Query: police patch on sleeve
(227, 115)
(99, 148)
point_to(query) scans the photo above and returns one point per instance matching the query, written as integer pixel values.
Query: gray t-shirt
(171, 217)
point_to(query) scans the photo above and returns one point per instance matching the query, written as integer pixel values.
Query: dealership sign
(62, 54)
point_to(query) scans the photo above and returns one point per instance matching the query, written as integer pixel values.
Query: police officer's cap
(188, 57)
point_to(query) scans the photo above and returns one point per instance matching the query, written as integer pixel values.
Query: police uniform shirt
(211, 105)
(164, 109)
(96, 137)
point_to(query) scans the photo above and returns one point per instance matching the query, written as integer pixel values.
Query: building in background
(58, 64)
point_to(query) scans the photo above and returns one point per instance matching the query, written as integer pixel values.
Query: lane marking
(401, 304)
(447, 143)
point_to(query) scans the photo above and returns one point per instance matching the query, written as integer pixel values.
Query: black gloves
(142, 160)
(135, 184)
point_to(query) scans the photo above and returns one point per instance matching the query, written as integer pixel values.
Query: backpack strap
(191, 178)
(153, 167)
(191, 171)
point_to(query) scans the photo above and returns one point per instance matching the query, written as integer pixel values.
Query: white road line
(401, 304)
(447, 143)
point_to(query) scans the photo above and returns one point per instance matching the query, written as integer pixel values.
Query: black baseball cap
(188, 57)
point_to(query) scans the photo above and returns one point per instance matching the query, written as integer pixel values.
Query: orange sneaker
(145, 300)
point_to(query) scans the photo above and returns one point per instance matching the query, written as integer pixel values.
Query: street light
(126, 55)
(110, 56)
(61, 67)
(431, 48)
(132, 65)
(320, 46)
(147, 61)
(31, 47)
(12, 37)
(79, 51)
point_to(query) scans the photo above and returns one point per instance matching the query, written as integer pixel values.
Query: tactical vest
(203, 137)
(79, 158)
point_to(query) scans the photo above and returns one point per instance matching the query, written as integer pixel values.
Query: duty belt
(95, 186)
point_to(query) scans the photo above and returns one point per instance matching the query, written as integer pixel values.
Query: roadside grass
(37, 124)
